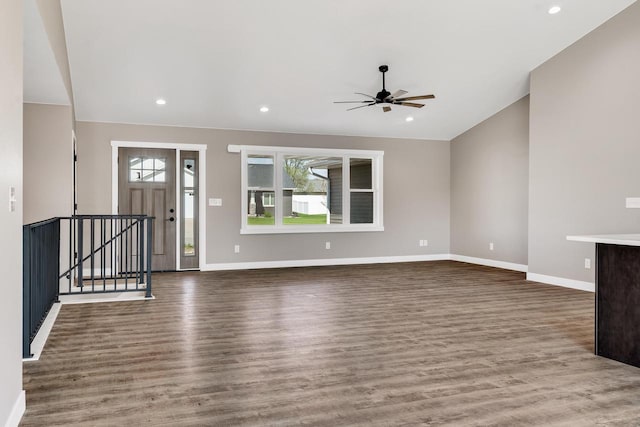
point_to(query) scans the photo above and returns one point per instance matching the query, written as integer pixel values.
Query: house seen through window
(268, 200)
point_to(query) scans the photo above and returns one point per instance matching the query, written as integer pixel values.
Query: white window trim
(278, 153)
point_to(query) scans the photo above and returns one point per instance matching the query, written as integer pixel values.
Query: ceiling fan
(386, 97)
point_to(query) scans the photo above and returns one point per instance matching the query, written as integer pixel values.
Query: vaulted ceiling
(217, 62)
(43, 82)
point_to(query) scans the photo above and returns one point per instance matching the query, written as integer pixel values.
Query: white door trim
(202, 173)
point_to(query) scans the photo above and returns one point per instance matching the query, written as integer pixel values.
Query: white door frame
(202, 182)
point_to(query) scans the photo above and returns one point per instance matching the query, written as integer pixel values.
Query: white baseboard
(106, 297)
(561, 281)
(37, 345)
(490, 263)
(17, 411)
(551, 280)
(323, 262)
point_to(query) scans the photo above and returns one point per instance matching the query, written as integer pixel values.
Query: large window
(291, 190)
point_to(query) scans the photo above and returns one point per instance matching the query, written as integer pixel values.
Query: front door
(147, 186)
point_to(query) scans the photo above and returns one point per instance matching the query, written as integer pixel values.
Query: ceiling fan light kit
(386, 97)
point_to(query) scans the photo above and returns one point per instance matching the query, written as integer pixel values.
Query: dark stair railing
(40, 269)
(102, 254)
(116, 249)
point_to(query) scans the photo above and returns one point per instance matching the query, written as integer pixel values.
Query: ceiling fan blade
(361, 106)
(397, 94)
(415, 98)
(386, 109)
(368, 96)
(409, 104)
(351, 102)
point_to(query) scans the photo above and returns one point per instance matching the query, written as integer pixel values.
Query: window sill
(291, 229)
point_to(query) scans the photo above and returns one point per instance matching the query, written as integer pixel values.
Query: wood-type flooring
(427, 343)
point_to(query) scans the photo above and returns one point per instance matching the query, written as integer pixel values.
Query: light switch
(215, 202)
(633, 202)
(12, 199)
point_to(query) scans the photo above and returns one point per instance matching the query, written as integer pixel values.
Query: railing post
(92, 248)
(80, 254)
(26, 291)
(149, 253)
(141, 258)
(72, 259)
(58, 243)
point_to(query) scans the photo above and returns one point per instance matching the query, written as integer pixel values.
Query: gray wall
(416, 192)
(584, 146)
(10, 175)
(48, 162)
(489, 180)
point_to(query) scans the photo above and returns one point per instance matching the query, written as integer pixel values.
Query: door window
(147, 169)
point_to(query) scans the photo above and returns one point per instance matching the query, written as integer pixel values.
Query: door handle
(170, 219)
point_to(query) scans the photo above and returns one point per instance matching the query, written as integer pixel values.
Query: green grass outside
(261, 220)
(289, 220)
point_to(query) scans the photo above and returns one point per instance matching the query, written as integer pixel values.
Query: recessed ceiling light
(264, 109)
(161, 101)
(409, 119)
(554, 9)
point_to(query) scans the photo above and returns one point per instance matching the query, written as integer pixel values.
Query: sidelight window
(189, 210)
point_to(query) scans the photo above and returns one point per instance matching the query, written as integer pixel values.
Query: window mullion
(377, 191)
(346, 190)
(374, 188)
(243, 184)
(278, 162)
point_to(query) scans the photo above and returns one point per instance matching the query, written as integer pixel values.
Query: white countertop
(612, 239)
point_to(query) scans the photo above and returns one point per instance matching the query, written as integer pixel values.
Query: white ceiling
(216, 62)
(42, 79)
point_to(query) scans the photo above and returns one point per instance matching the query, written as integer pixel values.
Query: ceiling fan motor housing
(385, 97)
(382, 96)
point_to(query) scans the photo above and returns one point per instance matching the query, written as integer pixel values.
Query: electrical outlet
(587, 263)
(491, 246)
(327, 245)
(425, 243)
(236, 249)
